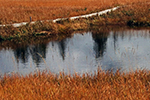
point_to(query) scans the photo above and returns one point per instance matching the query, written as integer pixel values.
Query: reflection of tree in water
(115, 37)
(37, 52)
(62, 47)
(22, 54)
(100, 43)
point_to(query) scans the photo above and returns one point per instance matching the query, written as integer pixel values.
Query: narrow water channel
(83, 53)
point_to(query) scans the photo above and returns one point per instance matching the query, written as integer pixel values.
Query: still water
(82, 53)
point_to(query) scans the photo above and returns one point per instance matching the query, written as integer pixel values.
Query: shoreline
(61, 19)
(129, 15)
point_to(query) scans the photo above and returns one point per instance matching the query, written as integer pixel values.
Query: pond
(127, 49)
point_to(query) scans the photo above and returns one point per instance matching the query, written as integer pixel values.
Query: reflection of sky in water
(129, 49)
(132, 51)
(79, 55)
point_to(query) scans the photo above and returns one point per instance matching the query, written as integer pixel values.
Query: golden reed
(103, 85)
(12, 11)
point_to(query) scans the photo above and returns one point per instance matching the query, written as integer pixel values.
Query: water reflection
(62, 46)
(21, 54)
(125, 49)
(100, 44)
(37, 52)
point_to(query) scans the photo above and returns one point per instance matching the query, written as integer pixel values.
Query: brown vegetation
(137, 14)
(100, 86)
(20, 10)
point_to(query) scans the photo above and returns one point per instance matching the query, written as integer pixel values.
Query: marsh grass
(13, 11)
(45, 85)
(135, 14)
(101, 85)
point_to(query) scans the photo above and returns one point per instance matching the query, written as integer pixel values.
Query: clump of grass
(101, 85)
(138, 23)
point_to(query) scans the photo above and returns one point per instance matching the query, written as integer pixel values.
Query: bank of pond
(120, 48)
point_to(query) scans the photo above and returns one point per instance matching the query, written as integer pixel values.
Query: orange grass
(20, 10)
(103, 85)
(137, 14)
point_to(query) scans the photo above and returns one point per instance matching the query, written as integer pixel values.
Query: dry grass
(100, 86)
(137, 14)
(20, 10)
(133, 13)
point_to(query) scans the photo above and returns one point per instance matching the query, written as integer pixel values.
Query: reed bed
(45, 85)
(133, 14)
(21, 10)
(103, 85)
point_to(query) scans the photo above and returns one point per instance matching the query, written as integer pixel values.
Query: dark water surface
(126, 49)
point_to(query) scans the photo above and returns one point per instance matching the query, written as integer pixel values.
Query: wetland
(126, 49)
(99, 57)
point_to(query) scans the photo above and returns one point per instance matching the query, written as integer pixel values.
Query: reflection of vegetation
(22, 54)
(115, 37)
(62, 47)
(37, 52)
(100, 43)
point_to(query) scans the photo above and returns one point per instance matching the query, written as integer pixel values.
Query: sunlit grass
(43, 85)
(21, 10)
(101, 85)
(135, 13)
